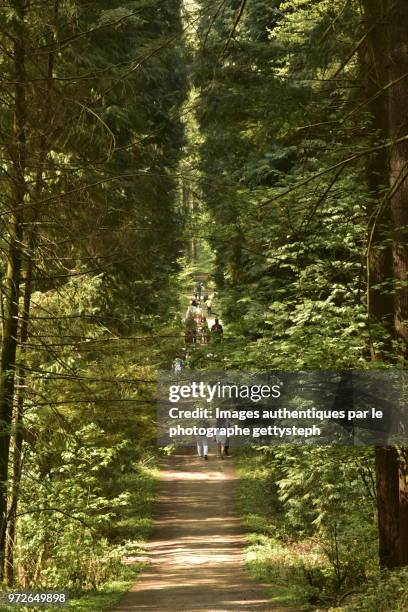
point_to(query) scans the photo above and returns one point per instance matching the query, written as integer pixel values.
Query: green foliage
(102, 88)
(383, 592)
(311, 520)
(88, 482)
(271, 210)
(289, 248)
(80, 511)
(287, 219)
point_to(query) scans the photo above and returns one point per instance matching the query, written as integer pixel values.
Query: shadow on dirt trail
(197, 544)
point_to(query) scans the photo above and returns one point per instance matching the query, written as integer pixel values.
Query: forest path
(196, 553)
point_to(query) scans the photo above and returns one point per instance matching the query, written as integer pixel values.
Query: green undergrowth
(110, 594)
(120, 546)
(270, 557)
(304, 569)
(128, 534)
(385, 591)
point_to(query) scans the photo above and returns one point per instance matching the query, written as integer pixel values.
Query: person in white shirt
(202, 442)
(178, 364)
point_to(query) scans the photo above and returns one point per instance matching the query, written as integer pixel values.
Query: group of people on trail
(200, 293)
(220, 438)
(197, 329)
(196, 325)
(201, 296)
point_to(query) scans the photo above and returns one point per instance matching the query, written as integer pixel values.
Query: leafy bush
(81, 517)
(386, 591)
(311, 520)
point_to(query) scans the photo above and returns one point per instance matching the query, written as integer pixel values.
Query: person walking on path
(217, 331)
(191, 310)
(198, 291)
(226, 448)
(208, 303)
(202, 442)
(199, 315)
(190, 335)
(221, 427)
(202, 447)
(204, 331)
(190, 323)
(204, 309)
(178, 364)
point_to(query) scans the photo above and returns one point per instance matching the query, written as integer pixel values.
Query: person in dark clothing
(217, 331)
(198, 291)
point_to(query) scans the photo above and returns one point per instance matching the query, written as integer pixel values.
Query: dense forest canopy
(138, 139)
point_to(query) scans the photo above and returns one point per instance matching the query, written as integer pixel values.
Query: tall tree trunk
(18, 436)
(375, 77)
(398, 95)
(392, 502)
(30, 253)
(11, 286)
(391, 464)
(387, 24)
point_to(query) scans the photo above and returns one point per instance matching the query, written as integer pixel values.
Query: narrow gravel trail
(197, 544)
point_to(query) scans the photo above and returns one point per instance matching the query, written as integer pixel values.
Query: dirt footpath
(197, 544)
